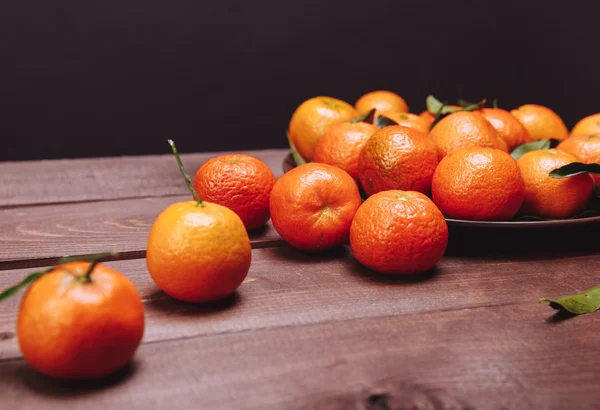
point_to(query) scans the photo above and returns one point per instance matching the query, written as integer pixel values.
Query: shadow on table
(367, 274)
(560, 316)
(290, 254)
(343, 254)
(163, 302)
(532, 243)
(49, 386)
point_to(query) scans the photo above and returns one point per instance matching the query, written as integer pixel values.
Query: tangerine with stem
(78, 320)
(197, 251)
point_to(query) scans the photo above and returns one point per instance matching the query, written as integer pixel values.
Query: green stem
(93, 258)
(87, 278)
(188, 180)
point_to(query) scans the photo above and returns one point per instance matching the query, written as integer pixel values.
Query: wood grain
(100, 179)
(509, 357)
(286, 288)
(39, 235)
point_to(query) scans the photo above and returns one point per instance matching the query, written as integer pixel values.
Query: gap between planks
(97, 179)
(41, 235)
(117, 256)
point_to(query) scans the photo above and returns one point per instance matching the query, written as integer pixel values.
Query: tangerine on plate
(383, 102)
(197, 251)
(312, 206)
(240, 182)
(585, 147)
(478, 184)
(398, 232)
(553, 198)
(465, 129)
(589, 125)
(397, 157)
(312, 118)
(77, 324)
(508, 127)
(342, 143)
(541, 122)
(409, 120)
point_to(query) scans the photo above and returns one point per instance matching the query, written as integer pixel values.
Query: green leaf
(575, 168)
(530, 146)
(495, 103)
(297, 157)
(366, 117)
(464, 103)
(383, 122)
(94, 258)
(28, 279)
(433, 104)
(579, 303)
(474, 106)
(446, 110)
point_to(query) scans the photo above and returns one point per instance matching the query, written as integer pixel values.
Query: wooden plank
(76, 180)
(39, 235)
(286, 287)
(508, 357)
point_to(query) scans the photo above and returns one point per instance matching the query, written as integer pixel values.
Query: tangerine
(77, 324)
(553, 198)
(397, 157)
(198, 253)
(240, 182)
(541, 122)
(589, 125)
(383, 102)
(312, 206)
(342, 143)
(409, 120)
(585, 147)
(478, 183)
(312, 118)
(398, 232)
(465, 129)
(509, 128)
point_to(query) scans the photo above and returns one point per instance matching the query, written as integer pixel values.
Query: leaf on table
(297, 157)
(587, 301)
(575, 168)
(366, 117)
(383, 121)
(530, 146)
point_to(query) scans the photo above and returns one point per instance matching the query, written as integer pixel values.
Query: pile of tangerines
(373, 174)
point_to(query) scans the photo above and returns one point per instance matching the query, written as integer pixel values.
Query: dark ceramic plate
(288, 164)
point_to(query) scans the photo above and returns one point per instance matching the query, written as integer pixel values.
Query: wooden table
(304, 331)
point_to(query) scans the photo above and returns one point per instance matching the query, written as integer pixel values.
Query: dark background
(119, 77)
